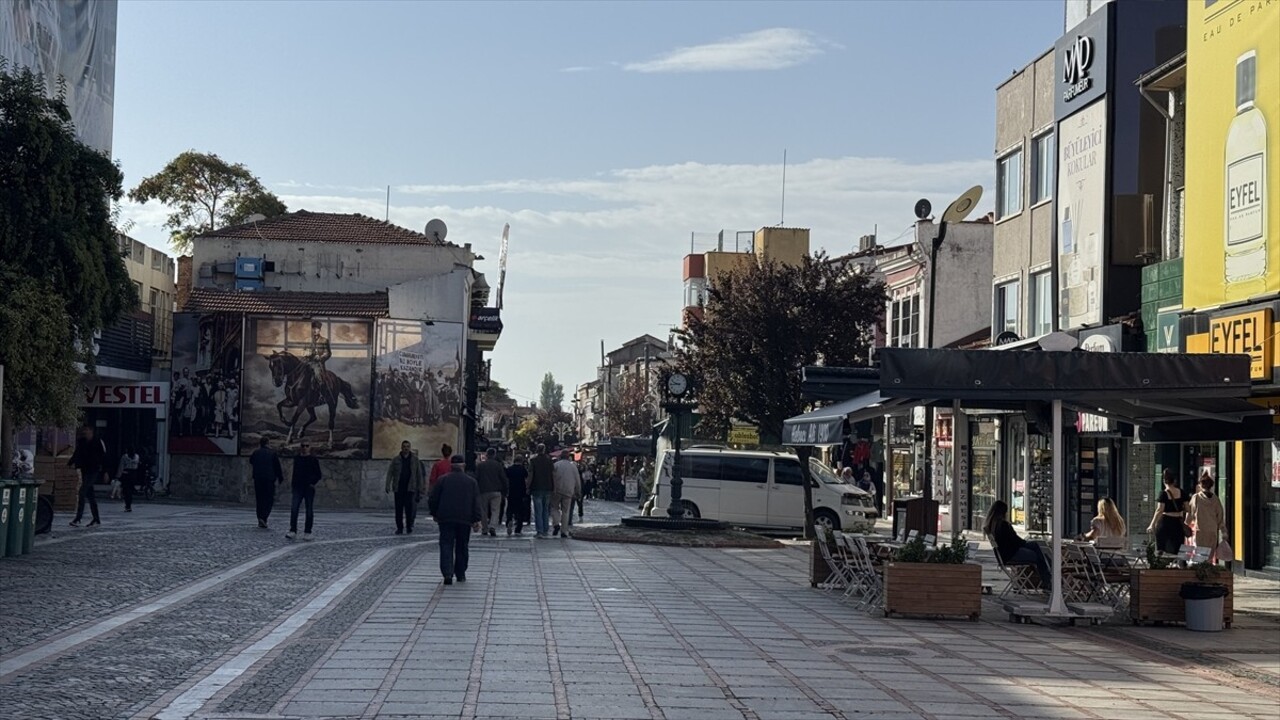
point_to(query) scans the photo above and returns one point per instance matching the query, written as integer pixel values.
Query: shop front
(129, 415)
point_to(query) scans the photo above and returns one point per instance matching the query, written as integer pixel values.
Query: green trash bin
(6, 494)
(29, 520)
(17, 518)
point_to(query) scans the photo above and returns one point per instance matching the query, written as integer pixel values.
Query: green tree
(61, 269)
(762, 325)
(551, 395)
(496, 393)
(205, 193)
(630, 410)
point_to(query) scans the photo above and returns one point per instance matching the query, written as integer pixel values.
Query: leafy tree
(762, 325)
(551, 396)
(61, 269)
(542, 428)
(205, 193)
(630, 410)
(496, 393)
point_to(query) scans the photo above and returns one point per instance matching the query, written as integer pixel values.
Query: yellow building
(153, 276)
(788, 246)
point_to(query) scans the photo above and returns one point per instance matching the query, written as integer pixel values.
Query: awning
(825, 426)
(635, 445)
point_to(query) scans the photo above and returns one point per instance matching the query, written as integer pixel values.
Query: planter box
(819, 570)
(931, 589)
(1153, 595)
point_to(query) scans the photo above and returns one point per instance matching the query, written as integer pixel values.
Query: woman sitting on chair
(1107, 529)
(1013, 549)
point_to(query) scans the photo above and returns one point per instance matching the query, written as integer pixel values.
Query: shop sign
(744, 435)
(486, 320)
(1104, 339)
(1246, 334)
(126, 395)
(1082, 56)
(1168, 336)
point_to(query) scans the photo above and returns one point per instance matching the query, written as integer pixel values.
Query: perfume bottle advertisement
(1232, 153)
(1082, 169)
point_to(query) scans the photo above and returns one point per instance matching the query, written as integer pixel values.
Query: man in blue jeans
(455, 505)
(541, 485)
(306, 474)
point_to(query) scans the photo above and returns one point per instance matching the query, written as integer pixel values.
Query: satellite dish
(923, 208)
(437, 230)
(963, 205)
(256, 217)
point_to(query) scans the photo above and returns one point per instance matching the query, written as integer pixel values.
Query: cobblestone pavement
(182, 612)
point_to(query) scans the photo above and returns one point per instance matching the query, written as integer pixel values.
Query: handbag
(1224, 552)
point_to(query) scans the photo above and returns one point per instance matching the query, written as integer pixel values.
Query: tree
(496, 393)
(542, 427)
(551, 396)
(61, 268)
(205, 193)
(630, 410)
(762, 325)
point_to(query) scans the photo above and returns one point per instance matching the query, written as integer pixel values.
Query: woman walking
(127, 472)
(1207, 517)
(1167, 523)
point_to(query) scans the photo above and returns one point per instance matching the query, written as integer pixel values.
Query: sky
(613, 137)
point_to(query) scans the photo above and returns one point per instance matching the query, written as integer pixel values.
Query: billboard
(1081, 205)
(70, 39)
(418, 389)
(1232, 151)
(308, 380)
(204, 393)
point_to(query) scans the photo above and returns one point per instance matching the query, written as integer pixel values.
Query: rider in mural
(319, 352)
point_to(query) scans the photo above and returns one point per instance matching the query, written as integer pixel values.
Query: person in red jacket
(442, 466)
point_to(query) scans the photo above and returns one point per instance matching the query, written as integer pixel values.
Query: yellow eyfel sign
(1251, 334)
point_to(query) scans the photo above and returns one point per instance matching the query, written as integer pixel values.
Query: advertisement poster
(204, 392)
(1082, 187)
(418, 389)
(308, 380)
(1233, 151)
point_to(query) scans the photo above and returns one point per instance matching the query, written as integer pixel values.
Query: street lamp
(957, 211)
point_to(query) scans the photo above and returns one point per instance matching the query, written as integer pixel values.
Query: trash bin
(6, 494)
(17, 516)
(1204, 605)
(32, 498)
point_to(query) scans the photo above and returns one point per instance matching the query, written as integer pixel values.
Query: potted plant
(1155, 592)
(941, 583)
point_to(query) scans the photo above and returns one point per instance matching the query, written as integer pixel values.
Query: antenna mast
(388, 216)
(502, 262)
(782, 221)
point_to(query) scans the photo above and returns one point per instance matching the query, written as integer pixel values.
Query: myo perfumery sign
(1083, 64)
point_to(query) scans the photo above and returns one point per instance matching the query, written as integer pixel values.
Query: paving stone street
(179, 611)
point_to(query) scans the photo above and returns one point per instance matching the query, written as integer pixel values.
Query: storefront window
(1014, 468)
(1271, 508)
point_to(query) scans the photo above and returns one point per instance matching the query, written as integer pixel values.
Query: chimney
(184, 281)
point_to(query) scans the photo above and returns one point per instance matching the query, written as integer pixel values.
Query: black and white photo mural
(418, 389)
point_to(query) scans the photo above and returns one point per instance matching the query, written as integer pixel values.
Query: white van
(760, 489)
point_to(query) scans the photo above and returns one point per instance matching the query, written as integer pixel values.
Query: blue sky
(605, 133)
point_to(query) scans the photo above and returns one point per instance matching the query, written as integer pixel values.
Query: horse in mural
(304, 391)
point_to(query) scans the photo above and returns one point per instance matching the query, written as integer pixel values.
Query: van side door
(744, 489)
(786, 494)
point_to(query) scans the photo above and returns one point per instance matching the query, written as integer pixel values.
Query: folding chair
(1077, 580)
(1114, 594)
(1023, 579)
(931, 541)
(840, 572)
(869, 580)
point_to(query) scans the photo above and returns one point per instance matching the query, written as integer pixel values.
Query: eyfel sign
(126, 395)
(1247, 334)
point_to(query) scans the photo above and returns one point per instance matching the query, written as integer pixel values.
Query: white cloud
(771, 49)
(599, 257)
(576, 69)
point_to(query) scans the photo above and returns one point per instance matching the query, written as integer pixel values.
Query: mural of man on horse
(308, 385)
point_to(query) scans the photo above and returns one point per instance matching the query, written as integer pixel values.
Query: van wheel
(826, 519)
(691, 510)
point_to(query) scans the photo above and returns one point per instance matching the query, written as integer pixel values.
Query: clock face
(677, 384)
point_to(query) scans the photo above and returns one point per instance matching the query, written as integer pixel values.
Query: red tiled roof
(304, 304)
(304, 226)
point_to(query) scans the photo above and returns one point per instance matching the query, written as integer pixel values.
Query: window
(137, 287)
(155, 298)
(703, 467)
(139, 254)
(1041, 304)
(1009, 184)
(787, 472)
(904, 323)
(157, 260)
(744, 469)
(1006, 307)
(1043, 151)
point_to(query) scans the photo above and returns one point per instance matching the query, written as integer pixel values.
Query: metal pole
(676, 510)
(928, 410)
(1056, 604)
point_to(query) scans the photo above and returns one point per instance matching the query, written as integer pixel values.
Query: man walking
(442, 466)
(89, 458)
(541, 483)
(454, 503)
(306, 474)
(491, 478)
(568, 485)
(404, 476)
(588, 482)
(267, 473)
(517, 496)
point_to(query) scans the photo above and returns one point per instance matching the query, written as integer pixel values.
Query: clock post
(677, 388)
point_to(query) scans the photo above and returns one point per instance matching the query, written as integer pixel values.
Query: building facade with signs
(1231, 294)
(342, 332)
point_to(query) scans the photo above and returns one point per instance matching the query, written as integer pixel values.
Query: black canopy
(635, 445)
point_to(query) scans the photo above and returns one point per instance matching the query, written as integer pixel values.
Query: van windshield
(823, 473)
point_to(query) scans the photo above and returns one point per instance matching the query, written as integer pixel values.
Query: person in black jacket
(455, 505)
(517, 496)
(267, 473)
(1014, 550)
(90, 459)
(306, 473)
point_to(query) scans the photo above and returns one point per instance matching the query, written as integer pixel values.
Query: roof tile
(304, 304)
(305, 226)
